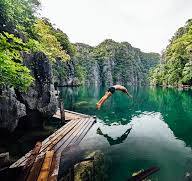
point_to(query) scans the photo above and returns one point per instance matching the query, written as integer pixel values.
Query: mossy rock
(91, 170)
(81, 103)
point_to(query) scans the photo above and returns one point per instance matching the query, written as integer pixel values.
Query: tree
(17, 15)
(12, 72)
(177, 58)
(48, 42)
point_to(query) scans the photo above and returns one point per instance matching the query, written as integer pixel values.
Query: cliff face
(11, 110)
(29, 109)
(176, 65)
(110, 63)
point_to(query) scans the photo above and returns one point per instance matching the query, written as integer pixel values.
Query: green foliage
(12, 72)
(18, 14)
(48, 43)
(11, 46)
(64, 42)
(176, 68)
(18, 17)
(187, 73)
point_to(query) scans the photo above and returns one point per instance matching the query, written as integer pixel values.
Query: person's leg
(103, 99)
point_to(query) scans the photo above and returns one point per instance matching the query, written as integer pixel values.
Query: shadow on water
(116, 141)
(161, 133)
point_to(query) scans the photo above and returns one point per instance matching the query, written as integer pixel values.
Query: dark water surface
(161, 134)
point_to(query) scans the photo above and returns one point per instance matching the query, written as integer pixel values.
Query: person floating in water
(109, 93)
(116, 141)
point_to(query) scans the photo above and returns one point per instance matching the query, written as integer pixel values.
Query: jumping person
(109, 93)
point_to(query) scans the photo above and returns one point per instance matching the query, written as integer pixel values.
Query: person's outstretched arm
(123, 89)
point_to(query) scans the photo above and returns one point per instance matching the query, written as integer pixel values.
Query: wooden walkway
(42, 163)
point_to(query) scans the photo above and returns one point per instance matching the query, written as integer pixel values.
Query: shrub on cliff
(12, 72)
(176, 67)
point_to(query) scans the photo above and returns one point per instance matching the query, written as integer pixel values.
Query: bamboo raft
(42, 163)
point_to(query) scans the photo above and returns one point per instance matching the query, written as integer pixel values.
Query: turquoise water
(161, 134)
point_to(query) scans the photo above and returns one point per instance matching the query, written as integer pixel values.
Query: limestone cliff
(106, 64)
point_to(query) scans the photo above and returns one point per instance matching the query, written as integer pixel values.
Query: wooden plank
(93, 121)
(34, 172)
(73, 113)
(48, 166)
(79, 132)
(54, 170)
(58, 131)
(34, 154)
(61, 134)
(76, 113)
(68, 116)
(22, 160)
(55, 164)
(26, 169)
(44, 173)
(66, 140)
(74, 138)
(46, 149)
(75, 135)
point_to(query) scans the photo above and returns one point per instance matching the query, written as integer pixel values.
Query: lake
(161, 134)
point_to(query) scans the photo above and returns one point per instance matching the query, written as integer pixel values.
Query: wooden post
(72, 174)
(61, 106)
(62, 111)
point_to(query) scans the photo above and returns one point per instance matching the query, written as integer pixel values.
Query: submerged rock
(188, 176)
(73, 156)
(91, 170)
(81, 103)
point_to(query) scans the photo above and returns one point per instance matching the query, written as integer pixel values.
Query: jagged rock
(40, 99)
(4, 159)
(91, 170)
(29, 109)
(64, 73)
(11, 110)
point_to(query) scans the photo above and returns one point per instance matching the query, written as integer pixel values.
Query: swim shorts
(111, 89)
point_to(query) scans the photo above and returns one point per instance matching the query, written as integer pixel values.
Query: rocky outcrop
(64, 73)
(91, 170)
(4, 159)
(29, 109)
(11, 110)
(40, 100)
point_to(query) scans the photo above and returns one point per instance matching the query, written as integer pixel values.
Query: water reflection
(150, 143)
(161, 134)
(116, 141)
(175, 106)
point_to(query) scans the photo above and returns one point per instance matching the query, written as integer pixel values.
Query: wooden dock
(42, 163)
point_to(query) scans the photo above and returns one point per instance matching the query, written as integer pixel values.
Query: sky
(146, 24)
